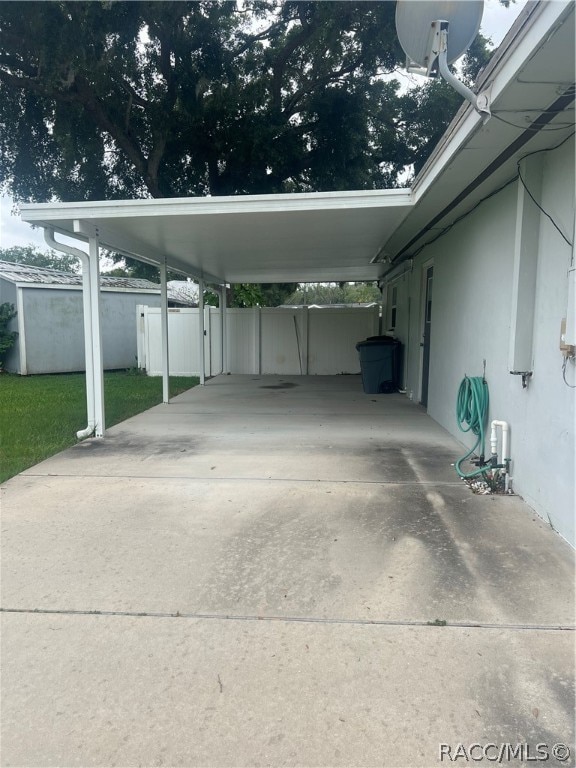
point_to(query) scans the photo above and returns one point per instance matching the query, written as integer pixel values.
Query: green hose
(472, 415)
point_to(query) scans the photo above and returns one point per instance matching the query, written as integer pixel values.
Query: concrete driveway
(254, 575)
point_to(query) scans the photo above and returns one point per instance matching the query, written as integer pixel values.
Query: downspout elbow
(64, 248)
(88, 431)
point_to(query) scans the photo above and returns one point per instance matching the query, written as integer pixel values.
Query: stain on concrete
(126, 443)
(281, 385)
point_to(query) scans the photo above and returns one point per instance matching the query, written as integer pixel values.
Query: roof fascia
(531, 29)
(308, 201)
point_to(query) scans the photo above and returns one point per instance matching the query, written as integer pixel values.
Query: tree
(104, 100)
(335, 293)
(7, 338)
(110, 100)
(49, 259)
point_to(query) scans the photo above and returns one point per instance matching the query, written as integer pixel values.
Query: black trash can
(379, 364)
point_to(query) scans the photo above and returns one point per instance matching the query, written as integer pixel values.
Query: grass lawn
(39, 415)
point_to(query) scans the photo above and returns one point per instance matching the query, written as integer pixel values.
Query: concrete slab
(307, 549)
(121, 691)
(289, 543)
(319, 428)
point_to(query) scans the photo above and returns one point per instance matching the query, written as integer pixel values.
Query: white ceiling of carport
(253, 238)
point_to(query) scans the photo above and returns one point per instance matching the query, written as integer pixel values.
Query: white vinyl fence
(314, 340)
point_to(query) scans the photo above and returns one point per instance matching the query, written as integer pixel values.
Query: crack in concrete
(291, 619)
(212, 479)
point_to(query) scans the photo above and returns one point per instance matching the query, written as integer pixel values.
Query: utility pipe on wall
(505, 459)
(87, 308)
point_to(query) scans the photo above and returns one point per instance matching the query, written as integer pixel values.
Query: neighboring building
(50, 318)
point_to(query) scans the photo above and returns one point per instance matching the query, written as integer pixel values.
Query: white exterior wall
(471, 321)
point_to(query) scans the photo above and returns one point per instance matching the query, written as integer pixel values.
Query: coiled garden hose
(472, 415)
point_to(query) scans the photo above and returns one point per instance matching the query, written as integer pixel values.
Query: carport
(310, 237)
(272, 570)
(284, 570)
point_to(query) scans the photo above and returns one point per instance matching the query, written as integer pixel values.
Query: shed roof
(26, 273)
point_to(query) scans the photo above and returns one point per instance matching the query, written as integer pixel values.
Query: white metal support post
(97, 362)
(223, 328)
(88, 354)
(164, 333)
(201, 351)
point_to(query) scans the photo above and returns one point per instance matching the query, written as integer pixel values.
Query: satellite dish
(434, 33)
(414, 19)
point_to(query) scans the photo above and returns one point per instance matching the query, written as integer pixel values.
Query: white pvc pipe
(505, 458)
(87, 307)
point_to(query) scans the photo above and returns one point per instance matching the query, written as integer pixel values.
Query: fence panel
(282, 335)
(289, 341)
(332, 338)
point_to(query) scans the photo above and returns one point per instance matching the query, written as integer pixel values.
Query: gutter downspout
(87, 306)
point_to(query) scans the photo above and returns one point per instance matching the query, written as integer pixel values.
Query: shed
(50, 318)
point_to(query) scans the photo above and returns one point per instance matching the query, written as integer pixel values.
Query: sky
(496, 21)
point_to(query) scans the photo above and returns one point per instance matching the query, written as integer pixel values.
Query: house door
(427, 315)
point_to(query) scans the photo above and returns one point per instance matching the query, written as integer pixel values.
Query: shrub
(7, 338)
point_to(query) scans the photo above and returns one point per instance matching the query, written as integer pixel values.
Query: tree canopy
(27, 254)
(108, 100)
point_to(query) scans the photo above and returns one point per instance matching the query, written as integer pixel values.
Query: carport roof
(318, 236)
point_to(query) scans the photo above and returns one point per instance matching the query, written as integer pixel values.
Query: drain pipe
(87, 304)
(505, 464)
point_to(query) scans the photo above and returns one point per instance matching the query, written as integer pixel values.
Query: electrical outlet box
(566, 349)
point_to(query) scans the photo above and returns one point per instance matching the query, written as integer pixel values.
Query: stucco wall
(54, 329)
(471, 321)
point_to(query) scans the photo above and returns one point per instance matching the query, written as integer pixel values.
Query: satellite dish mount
(435, 33)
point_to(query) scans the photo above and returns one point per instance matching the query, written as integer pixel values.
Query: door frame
(423, 287)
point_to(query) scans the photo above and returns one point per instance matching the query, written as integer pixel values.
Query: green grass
(40, 415)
